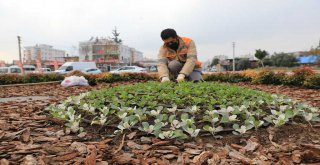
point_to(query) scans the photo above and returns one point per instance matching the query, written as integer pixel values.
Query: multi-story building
(43, 53)
(2, 63)
(107, 53)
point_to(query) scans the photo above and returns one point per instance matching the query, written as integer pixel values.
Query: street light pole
(233, 45)
(19, 44)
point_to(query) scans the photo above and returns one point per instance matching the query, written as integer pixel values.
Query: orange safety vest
(184, 51)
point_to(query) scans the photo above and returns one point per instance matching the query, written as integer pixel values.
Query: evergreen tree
(116, 36)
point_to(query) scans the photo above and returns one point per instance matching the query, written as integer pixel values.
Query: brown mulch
(28, 136)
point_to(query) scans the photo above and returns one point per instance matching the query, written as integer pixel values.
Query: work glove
(180, 77)
(165, 79)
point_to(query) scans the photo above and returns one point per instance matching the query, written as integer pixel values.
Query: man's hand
(165, 79)
(180, 77)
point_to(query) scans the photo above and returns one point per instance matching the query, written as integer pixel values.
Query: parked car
(213, 69)
(71, 66)
(43, 70)
(29, 68)
(91, 71)
(129, 69)
(14, 69)
(153, 69)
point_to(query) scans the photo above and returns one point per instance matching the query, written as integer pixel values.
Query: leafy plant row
(181, 110)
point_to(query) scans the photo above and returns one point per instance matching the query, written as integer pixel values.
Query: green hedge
(227, 77)
(6, 79)
(303, 76)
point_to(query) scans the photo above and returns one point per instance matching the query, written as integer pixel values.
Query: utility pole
(234, 63)
(19, 44)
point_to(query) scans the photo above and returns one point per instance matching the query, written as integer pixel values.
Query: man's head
(170, 38)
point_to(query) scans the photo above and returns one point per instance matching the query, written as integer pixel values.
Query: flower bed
(183, 110)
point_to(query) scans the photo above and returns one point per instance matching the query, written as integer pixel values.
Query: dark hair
(167, 33)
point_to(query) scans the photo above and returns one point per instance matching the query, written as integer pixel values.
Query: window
(91, 70)
(46, 70)
(3, 70)
(29, 69)
(15, 70)
(69, 68)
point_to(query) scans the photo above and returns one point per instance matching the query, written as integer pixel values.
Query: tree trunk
(262, 63)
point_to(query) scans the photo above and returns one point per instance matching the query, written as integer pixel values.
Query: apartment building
(42, 52)
(108, 54)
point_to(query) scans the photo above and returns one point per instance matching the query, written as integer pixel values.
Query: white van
(71, 66)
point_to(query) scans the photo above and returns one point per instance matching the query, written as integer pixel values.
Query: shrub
(103, 77)
(303, 71)
(34, 78)
(250, 73)
(143, 76)
(300, 74)
(312, 81)
(227, 77)
(268, 77)
(53, 77)
(11, 79)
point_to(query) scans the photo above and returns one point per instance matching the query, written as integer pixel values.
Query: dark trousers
(175, 67)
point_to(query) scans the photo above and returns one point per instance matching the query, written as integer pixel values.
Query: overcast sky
(273, 25)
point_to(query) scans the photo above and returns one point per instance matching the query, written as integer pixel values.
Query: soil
(29, 136)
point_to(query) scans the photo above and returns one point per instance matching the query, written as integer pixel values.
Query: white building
(43, 52)
(108, 54)
(137, 55)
